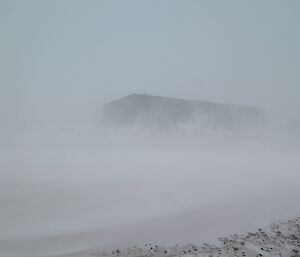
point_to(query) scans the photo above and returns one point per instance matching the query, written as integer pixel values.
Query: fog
(86, 186)
(69, 181)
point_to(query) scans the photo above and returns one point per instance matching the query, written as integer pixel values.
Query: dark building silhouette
(165, 111)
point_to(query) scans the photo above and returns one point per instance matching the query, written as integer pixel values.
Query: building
(161, 111)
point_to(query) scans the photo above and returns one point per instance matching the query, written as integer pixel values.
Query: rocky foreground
(280, 239)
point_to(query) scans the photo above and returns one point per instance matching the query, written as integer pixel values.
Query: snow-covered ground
(64, 196)
(280, 239)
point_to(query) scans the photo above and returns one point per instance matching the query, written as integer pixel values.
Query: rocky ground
(280, 239)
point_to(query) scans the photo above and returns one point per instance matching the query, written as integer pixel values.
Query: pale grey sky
(69, 57)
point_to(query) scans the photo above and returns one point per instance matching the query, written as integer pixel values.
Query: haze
(70, 182)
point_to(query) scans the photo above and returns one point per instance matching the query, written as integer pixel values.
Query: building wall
(163, 111)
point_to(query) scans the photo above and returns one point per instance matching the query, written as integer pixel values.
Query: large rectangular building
(165, 112)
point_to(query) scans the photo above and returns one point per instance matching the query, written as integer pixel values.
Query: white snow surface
(281, 239)
(63, 194)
